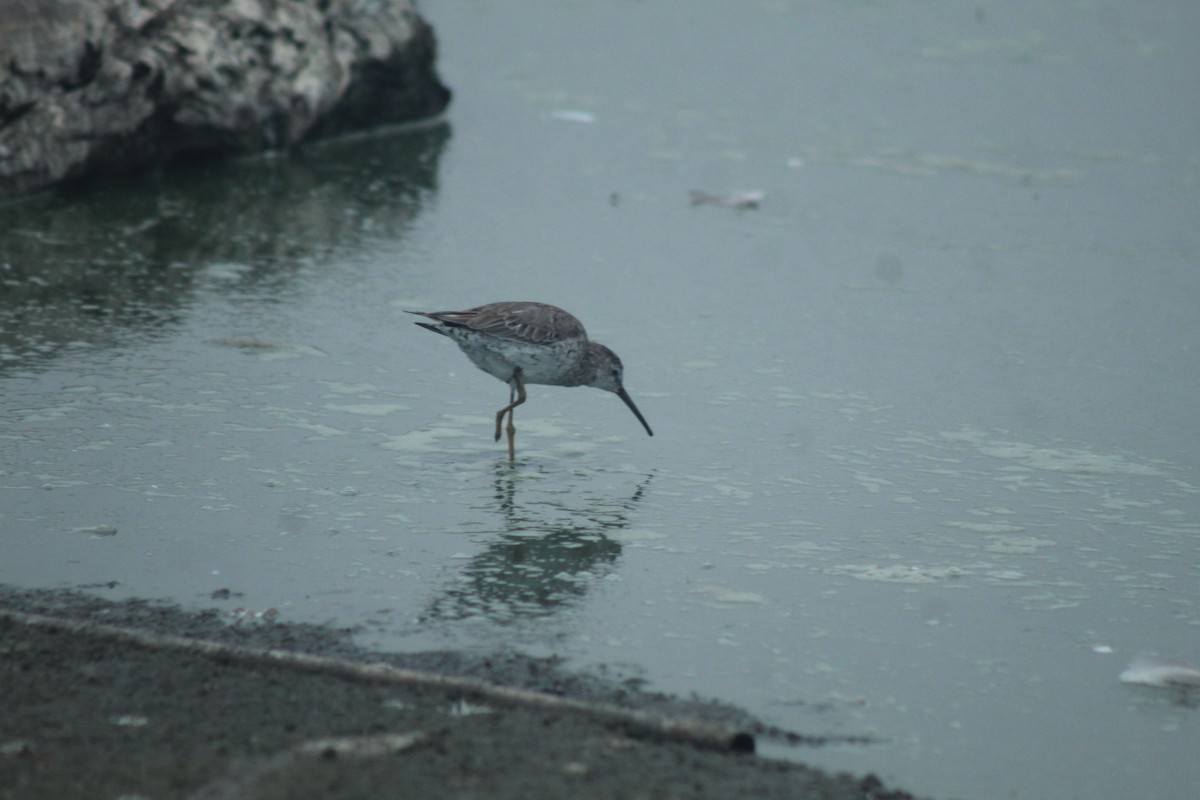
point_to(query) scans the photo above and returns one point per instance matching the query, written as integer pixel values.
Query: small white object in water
(130, 720)
(99, 530)
(362, 746)
(571, 115)
(739, 200)
(1150, 671)
(464, 708)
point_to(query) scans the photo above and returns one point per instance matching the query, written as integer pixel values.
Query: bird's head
(609, 374)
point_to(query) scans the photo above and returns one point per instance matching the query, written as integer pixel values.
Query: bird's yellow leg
(517, 387)
(512, 438)
(512, 393)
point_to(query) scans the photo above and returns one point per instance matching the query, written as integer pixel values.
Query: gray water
(926, 464)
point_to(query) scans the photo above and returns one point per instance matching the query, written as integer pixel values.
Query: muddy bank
(138, 699)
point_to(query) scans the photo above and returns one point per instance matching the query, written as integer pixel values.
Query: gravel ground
(142, 700)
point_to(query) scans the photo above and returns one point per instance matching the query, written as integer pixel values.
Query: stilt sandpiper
(531, 343)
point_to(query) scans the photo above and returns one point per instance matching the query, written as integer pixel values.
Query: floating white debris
(1151, 671)
(463, 708)
(360, 746)
(99, 530)
(131, 720)
(726, 595)
(17, 747)
(573, 115)
(632, 535)
(739, 200)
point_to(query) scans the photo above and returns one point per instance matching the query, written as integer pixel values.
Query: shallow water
(925, 464)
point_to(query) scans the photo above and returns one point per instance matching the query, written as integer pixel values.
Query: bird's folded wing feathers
(528, 322)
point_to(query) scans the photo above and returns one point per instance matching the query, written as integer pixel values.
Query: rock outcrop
(108, 85)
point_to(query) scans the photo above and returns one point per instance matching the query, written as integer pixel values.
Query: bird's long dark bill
(624, 395)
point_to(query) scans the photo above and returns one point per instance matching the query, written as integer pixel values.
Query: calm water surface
(926, 465)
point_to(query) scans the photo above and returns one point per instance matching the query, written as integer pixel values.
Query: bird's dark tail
(426, 325)
(434, 328)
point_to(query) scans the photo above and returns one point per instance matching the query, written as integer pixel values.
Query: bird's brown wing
(538, 323)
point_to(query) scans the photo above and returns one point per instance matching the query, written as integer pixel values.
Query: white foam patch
(426, 441)
(634, 535)
(339, 387)
(896, 573)
(1017, 545)
(1052, 459)
(984, 527)
(369, 409)
(224, 271)
(575, 448)
(724, 594)
(539, 426)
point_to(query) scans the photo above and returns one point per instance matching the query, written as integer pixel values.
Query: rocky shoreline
(103, 86)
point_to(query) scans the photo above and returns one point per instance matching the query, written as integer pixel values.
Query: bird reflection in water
(546, 557)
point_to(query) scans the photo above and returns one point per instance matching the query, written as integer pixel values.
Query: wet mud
(140, 699)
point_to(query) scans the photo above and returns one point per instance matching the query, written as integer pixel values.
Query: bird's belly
(492, 363)
(537, 363)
